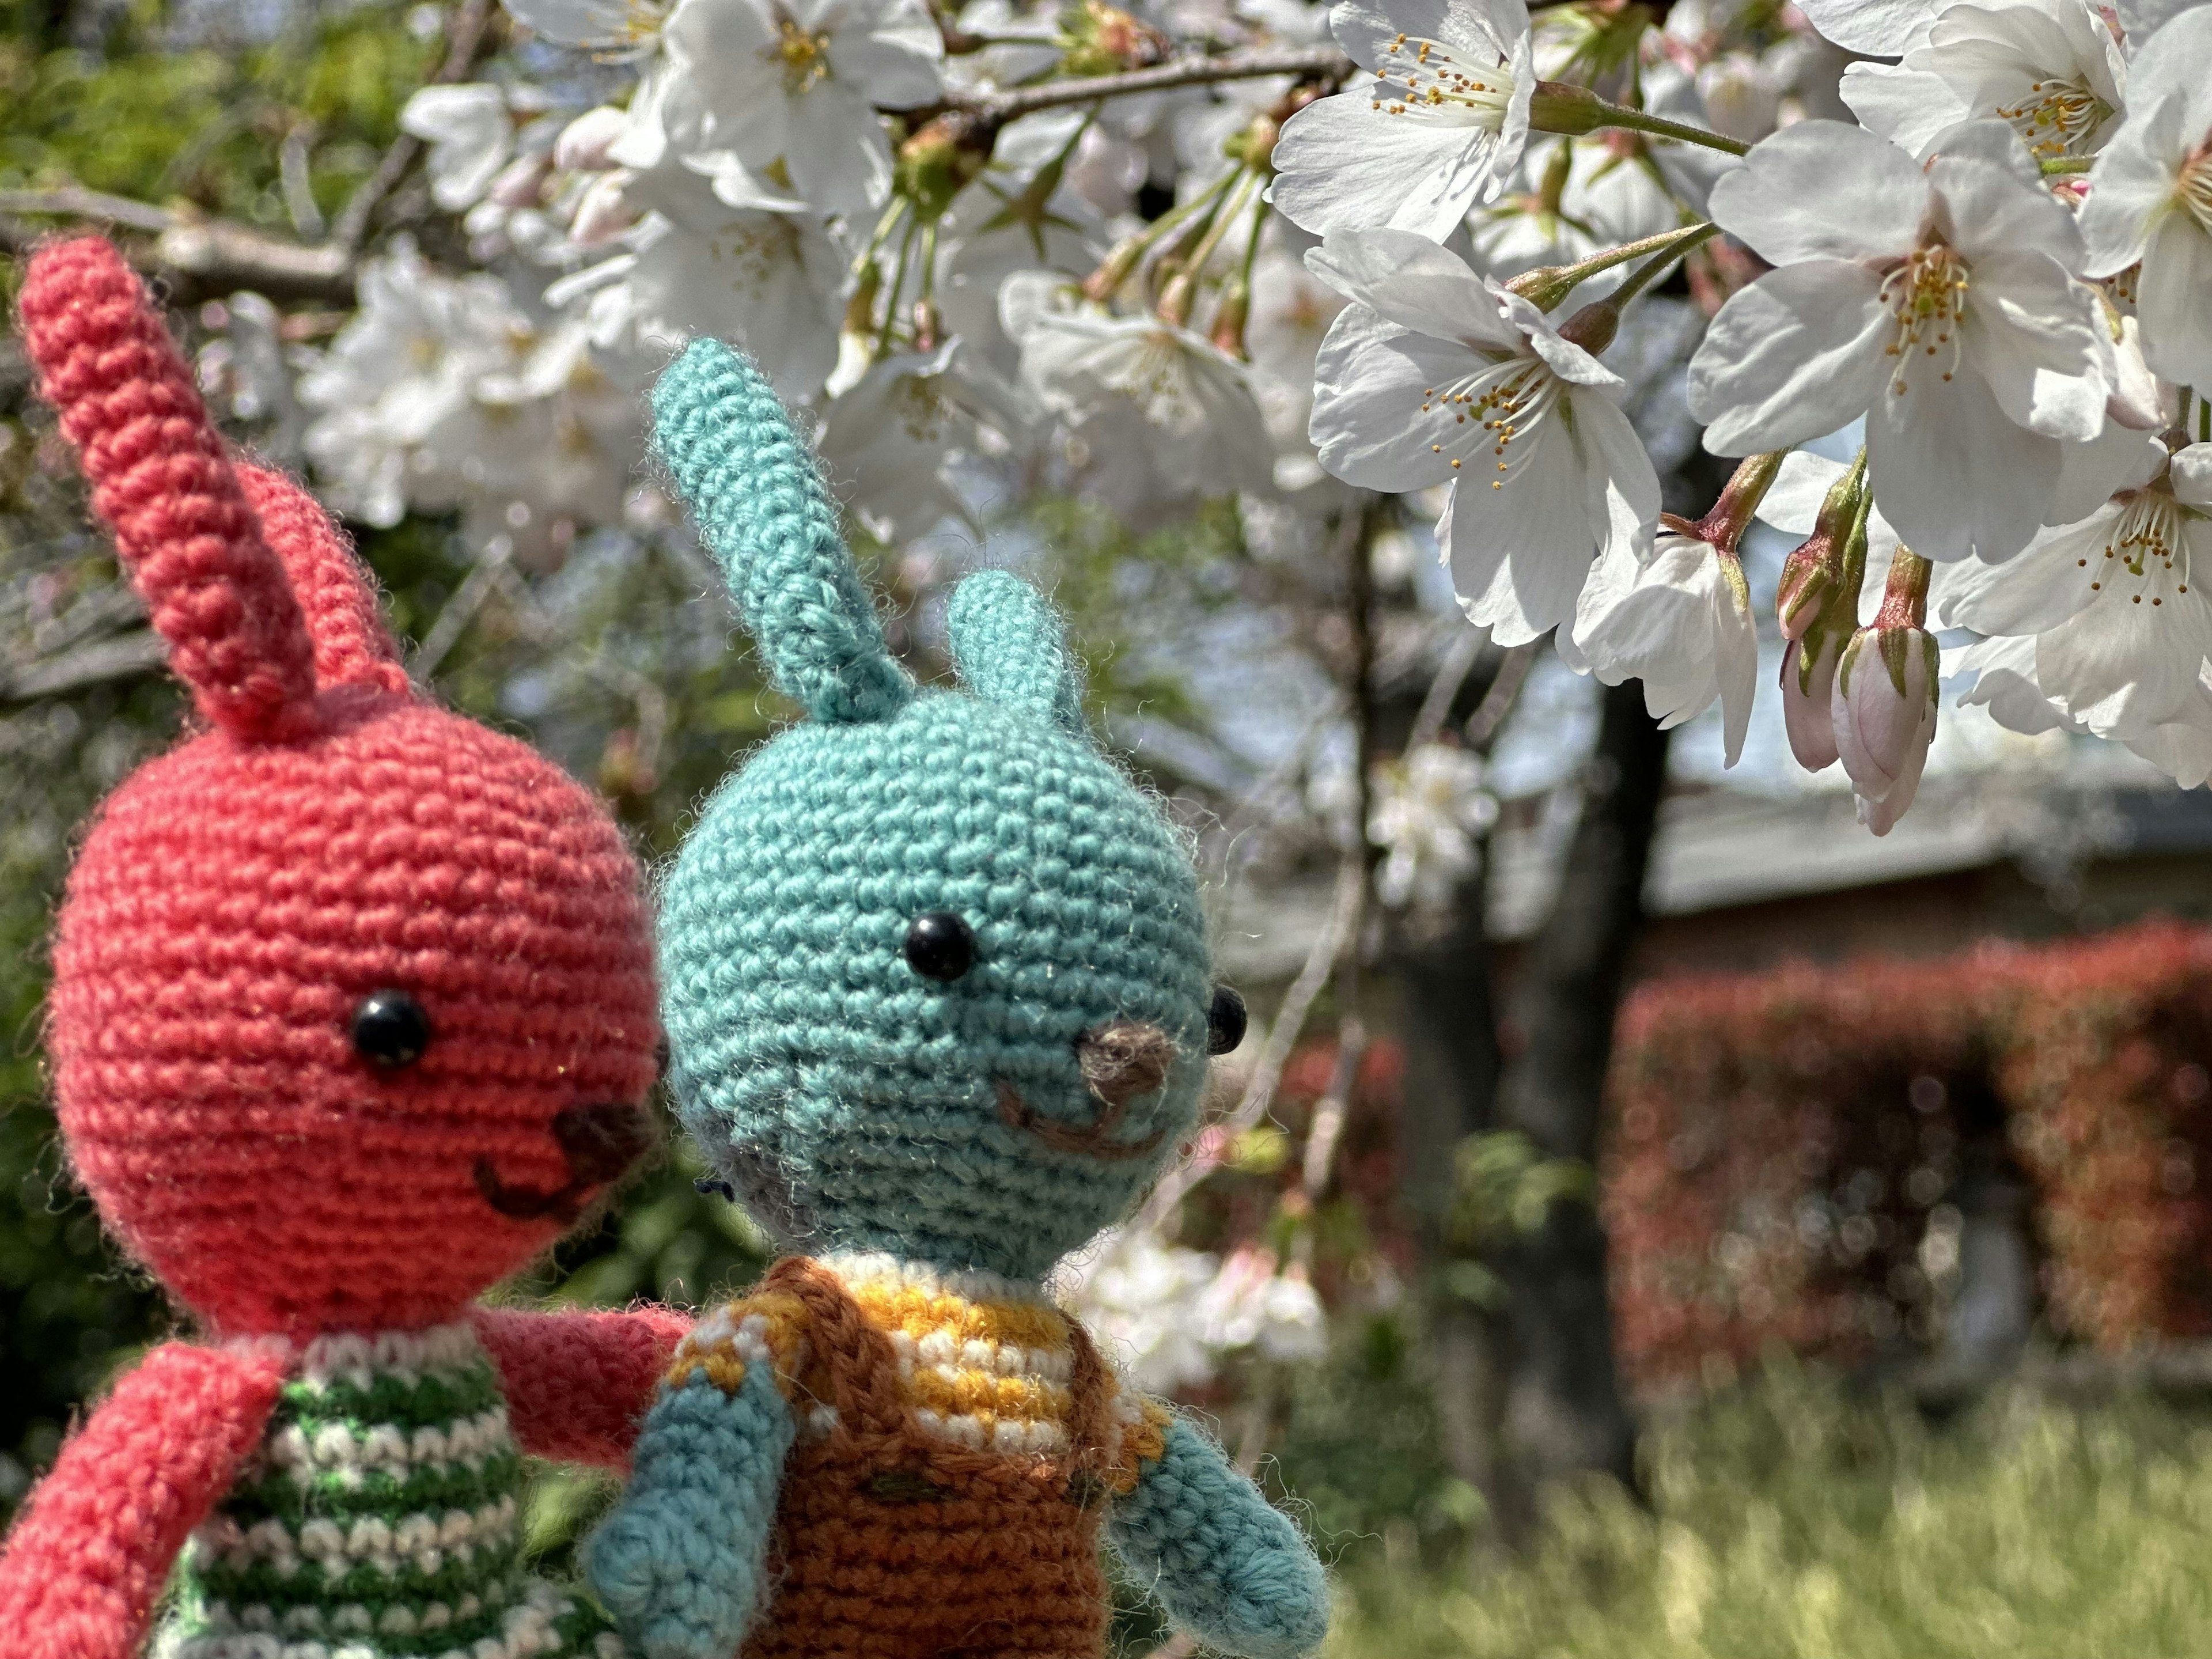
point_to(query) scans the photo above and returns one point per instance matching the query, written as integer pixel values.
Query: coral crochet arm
(578, 1384)
(1228, 1568)
(86, 1563)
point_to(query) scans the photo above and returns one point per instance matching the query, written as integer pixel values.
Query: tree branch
(1307, 62)
(466, 41)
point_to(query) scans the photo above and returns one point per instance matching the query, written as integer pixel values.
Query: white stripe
(335, 1449)
(358, 1357)
(419, 1542)
(526, 1630)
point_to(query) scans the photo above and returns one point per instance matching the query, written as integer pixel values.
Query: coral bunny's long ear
(757, 499)
(352, 645)
(160, 477)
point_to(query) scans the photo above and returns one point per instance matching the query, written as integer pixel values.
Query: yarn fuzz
(940, 1006)
(352, 1014)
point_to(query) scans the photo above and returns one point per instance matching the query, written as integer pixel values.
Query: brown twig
(467, 38)
(1324, 64)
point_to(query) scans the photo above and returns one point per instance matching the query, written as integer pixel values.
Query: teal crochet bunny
(938, 998)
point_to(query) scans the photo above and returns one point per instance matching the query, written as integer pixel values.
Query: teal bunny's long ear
(1010, 648)
(758, 500)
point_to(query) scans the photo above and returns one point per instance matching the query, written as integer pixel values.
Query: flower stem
(1547, 288)
(1904, 595)
(1650, 271)
(1731, 514)
(1658, 126)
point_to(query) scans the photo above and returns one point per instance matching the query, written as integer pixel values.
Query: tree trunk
(1563, 1409)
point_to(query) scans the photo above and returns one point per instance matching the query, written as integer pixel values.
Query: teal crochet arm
(680, 1562)
(1228, 1568)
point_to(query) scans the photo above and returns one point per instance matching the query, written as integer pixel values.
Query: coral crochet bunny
(937, 993)
(352, 1010)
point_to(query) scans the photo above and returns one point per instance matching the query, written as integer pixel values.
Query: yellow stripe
(972, 1393)
(893, 1307)
(1145, 1441)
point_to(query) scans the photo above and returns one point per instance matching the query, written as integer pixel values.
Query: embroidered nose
(1124, 1059)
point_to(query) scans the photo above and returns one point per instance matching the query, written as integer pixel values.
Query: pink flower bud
(520, 182)
(1808, 678)
(1883, 712)
(584, 144)
(602, 212)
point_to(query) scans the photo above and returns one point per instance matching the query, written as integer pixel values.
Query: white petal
(2190, 474)
(1796, 354)
(1821, 190)
(2036, 338)
(2171, 65)
(1989, 201)
(1468, 27)
(1410, 281)
(1792, 501)
(1952, 474)
(1520, 554)
(1881, 29)
(2121, 668)
(1342, 164)
(2091, 474)
(1623, 486)
(2129, 187)
(2004, 682)
(2047, 583)
(1908, 107)
(2173, 300)
(1369, 382)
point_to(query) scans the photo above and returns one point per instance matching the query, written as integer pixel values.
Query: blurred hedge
(1783, 1140)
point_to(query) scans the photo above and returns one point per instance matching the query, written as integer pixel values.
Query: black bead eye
(940, 945)
(390, 1030)
(1225, 1021)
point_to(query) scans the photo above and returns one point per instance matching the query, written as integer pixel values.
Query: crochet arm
(577, 1384)
(87, 1561)
(1228, 1568)
(681, 1562)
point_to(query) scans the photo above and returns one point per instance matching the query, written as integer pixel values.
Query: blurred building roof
(1738, 877)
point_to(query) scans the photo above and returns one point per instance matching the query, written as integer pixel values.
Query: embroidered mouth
(1089, 1140)
(598, 1143)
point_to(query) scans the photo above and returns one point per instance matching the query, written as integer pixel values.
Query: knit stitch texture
(937, 988)
(328, 838)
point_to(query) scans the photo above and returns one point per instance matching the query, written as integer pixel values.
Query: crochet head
(935, 974)
(352, 1007)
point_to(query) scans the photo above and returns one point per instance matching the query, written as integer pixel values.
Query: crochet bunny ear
(757, 498)
(217, 591)
(352, 645)
(1010, 647)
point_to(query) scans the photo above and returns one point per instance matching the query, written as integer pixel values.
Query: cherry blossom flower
(2003, 679)
(2050, 69)
(2150, 198)
(1198, 422)
(1432, 367)
(406, 366)
(760, 274)
(1881, 29)
(471, 136)
(1426, 807)
(1680, 620)
(792, 87)
(1938, 301)
(891, 438)
(1438, 130)
(2116, 603)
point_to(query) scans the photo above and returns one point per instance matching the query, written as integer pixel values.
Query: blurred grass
(1792, 1519)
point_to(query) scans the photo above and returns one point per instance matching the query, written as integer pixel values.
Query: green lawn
(1791, 1522)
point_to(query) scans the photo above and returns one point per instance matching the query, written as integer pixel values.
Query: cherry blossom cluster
(1511, 270)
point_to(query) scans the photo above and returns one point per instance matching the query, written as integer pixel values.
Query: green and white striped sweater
(380, 1519)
